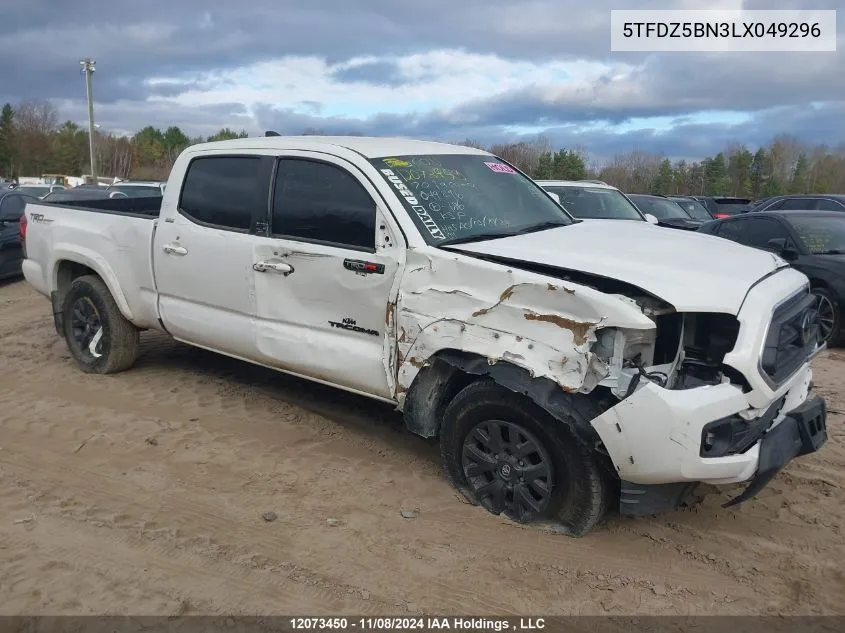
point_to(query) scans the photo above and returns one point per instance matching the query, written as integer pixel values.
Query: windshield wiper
(833, 251)
(480, 237)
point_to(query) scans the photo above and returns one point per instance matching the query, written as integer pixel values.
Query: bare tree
(35, 122)
(39, 117)
(633, 172)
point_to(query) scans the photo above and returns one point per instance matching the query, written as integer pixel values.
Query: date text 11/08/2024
(416, 624)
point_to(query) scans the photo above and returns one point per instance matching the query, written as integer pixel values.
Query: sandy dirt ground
(143, 493)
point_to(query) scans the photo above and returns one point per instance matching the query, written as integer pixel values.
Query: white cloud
(436, 80)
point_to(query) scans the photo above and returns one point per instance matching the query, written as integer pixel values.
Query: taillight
(22, 225)
(721, 216)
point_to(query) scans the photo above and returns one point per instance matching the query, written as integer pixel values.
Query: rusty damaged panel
(544, 325)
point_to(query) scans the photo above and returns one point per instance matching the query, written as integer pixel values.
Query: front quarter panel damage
(544, 326)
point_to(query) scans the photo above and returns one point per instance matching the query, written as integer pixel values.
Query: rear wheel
(99, 337)
(829, 317)
(506, 454)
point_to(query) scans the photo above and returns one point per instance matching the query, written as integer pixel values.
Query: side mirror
(554, 196)
(650, 218)
(780, 246)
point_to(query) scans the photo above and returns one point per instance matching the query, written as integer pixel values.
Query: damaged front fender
(544, 326)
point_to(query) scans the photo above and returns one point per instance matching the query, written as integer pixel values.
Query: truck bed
(111, 236)
(138, 207)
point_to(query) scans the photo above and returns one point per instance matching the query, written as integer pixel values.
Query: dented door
(324, 277)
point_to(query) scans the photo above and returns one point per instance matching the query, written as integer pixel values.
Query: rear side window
(320, 202)
(758, 232)
(772, 206)
(734, 231)
(825, 204)
(225, 191)
(11, 207)
(797, 204)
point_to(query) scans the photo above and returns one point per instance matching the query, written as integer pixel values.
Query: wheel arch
(69, 267)
(450, 370)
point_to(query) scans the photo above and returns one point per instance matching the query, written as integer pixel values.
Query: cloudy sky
(489, 70)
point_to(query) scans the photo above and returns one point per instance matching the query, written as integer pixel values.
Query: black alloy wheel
(86, 328)
(508, 470)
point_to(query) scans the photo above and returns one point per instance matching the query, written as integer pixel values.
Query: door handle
(174, 249)
(276, 267)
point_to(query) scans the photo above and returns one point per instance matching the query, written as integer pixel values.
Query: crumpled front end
(685, 397)
(710, 412)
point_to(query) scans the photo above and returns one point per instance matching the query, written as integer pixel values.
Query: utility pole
(88, 68)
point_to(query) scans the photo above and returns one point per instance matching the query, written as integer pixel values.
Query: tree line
(785, 165)
(33, 142)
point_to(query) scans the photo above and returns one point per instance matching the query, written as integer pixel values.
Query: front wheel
(829, 317)
(100, 339)
(506, 454)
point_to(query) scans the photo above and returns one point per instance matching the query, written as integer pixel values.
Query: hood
(692, 271)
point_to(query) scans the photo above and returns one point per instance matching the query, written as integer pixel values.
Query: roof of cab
(367, 146)
(592, 184)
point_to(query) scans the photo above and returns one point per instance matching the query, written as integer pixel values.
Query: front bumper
(802, 431)
(656, 437)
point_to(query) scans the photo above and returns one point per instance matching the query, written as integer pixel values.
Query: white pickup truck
(565, 366)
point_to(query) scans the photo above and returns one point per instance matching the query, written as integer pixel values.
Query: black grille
(789, 342)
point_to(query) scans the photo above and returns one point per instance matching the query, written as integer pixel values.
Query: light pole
(88, 68)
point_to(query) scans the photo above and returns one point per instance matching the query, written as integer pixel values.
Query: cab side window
(320, 202)
(228, 192)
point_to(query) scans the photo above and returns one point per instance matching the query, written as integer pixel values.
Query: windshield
(467, 197)
(694, 208)
(661, 208)
(821, 235)
(138, 191)
(595, 203)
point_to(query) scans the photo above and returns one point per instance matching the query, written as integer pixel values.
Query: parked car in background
(81, 193)
(723, 206)
(668, 212)
(12, 204)
(758, 204)
(802, 202)
(693, 207)
(138, 189)
(38, 191)
(813, 242)
(593, 200)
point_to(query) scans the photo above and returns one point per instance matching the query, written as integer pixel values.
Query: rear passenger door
(325, 300)
(203, 254)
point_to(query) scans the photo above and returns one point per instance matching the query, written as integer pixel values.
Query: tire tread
(591, 494)
(124, 336)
